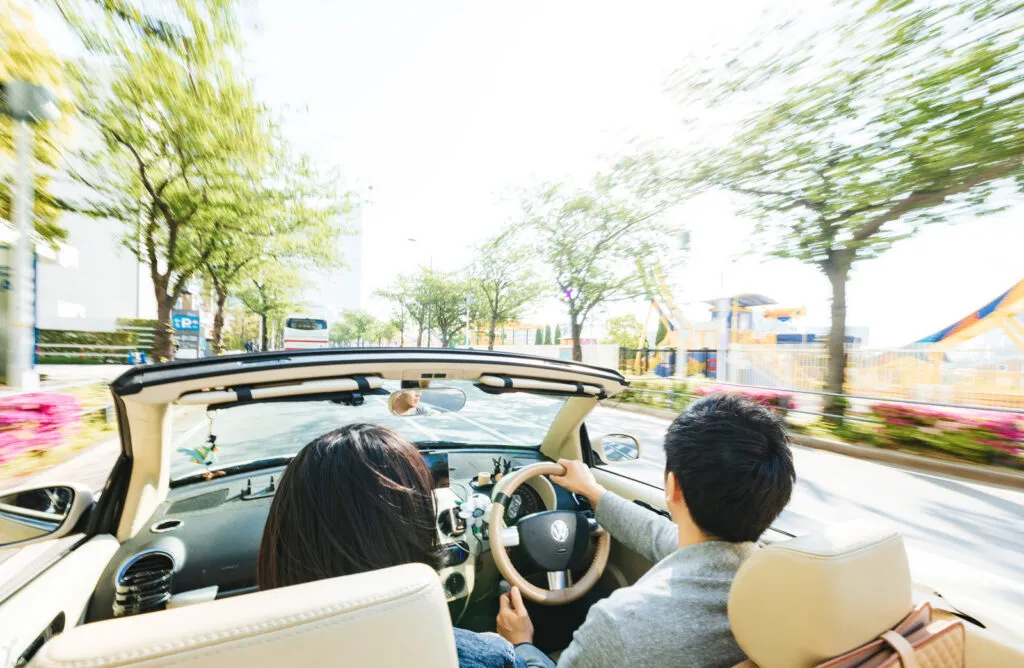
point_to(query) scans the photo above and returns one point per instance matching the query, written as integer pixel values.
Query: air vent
(164, 526)
(144, 583)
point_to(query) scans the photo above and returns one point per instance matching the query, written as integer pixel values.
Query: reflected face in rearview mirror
(426, 401)
(35, 513)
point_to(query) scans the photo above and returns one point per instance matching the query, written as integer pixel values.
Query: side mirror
(617, 448)
(35, 514)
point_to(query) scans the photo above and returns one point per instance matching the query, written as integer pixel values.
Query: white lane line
(513, 418)
(423, 430)
(189, 433)
(502, 438)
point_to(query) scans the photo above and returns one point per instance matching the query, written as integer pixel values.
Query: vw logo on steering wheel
(560, 531)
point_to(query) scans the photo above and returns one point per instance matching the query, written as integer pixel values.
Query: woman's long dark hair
(356, 499)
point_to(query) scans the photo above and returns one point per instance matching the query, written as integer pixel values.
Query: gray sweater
(675, 615)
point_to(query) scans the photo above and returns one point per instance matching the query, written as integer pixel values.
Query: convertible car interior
(160, 567)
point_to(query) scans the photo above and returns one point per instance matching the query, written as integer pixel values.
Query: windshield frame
(429, 430)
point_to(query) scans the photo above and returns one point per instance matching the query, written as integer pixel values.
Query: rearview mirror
(426, 401)
(41, 513)
(617, 448)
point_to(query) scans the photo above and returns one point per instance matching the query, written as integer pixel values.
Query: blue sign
(185, 322)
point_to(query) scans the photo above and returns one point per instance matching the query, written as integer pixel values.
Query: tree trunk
(163, 337)
(264, 333)
(218, 323)
(835, 380)
(491, 333)
(419, 337)
(577, 334)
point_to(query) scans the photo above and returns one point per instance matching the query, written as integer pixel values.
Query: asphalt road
(965, 539)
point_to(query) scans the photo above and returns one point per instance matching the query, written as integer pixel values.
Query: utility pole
(27, 105)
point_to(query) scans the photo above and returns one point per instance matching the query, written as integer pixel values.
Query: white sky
(446, 108)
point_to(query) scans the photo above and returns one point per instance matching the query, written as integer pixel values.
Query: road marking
(503, 438)
(423, 430)
(189, 433)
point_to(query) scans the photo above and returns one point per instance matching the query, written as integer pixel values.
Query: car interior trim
(248, 393)
(507, 382)
(138, 378)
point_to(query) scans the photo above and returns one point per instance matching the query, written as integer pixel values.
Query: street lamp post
(27, 105)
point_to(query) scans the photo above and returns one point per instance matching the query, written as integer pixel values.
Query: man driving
(728, 474)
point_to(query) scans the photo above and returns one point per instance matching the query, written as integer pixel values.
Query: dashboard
(202, 542)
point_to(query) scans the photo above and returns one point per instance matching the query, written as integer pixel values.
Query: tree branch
(926, 198)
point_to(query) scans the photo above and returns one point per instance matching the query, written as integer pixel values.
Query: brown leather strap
(906, 651)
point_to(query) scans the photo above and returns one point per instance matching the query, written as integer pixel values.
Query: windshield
(257, 431)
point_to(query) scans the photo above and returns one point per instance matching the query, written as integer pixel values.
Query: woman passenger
(357, 499)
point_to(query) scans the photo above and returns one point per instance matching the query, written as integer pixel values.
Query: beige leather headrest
(391, 617)
(808, 599)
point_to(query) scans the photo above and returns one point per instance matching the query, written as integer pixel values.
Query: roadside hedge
(968, 435)
(980, 436)
(69, 358)
(75, 344)
(137, 322)
(656, 394)
(68, 336)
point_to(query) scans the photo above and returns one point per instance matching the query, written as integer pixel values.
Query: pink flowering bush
(36, 422)
(778, 400)
(977, 435)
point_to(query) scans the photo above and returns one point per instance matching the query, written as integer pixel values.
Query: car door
(44, 589)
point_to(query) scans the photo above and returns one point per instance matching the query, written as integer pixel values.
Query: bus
(302, 332)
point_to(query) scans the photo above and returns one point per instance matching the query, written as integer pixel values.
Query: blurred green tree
(504, 282)
(289, 216)
(271, 293)
(624, 331)
(847, 140)
(590, 239)
(186, 158)
(356, 326)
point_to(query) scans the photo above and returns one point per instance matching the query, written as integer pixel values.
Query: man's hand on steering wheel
(579, 480)
(514, 623)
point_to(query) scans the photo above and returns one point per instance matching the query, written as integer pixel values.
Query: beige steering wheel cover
(508, 485)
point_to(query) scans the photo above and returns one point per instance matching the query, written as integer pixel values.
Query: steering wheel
(556, 540)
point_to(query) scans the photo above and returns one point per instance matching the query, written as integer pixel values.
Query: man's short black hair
(732, 460)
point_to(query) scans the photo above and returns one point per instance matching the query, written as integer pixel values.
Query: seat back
(391, 617)
(803, 601)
